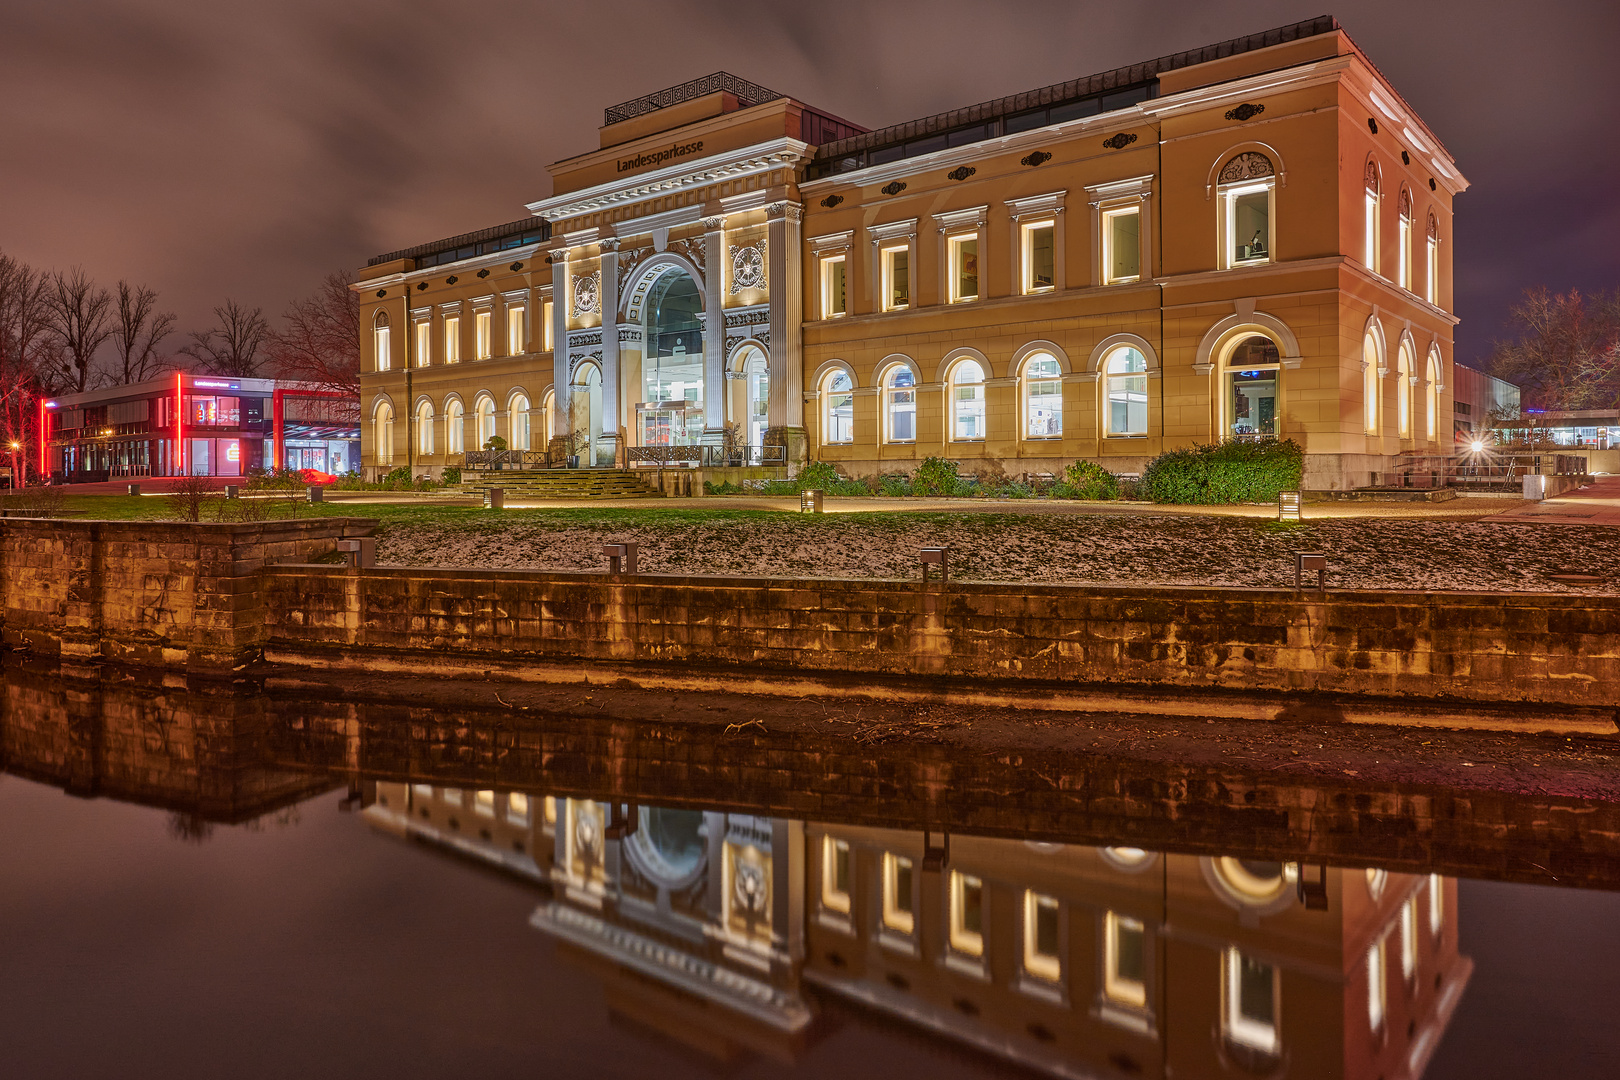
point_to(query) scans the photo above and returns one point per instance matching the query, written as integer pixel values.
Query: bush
(1086, 480)
(818, 475)
(1236, 472)
(397, 476)
(495, 442)
(452, 475)
(894, 486)
(936, 476)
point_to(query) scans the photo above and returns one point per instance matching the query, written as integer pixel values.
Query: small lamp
(1288, 506)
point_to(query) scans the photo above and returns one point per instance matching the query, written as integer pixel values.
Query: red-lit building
(197, 425)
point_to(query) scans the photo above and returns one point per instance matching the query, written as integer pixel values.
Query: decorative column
(609, 447)
(785, 275)
(561, 374)
(714, 332)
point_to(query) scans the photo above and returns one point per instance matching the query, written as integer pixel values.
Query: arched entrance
(749, 391)
(585, 411)
(671, 409)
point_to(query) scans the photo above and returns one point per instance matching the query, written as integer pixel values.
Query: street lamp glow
(1476, 446)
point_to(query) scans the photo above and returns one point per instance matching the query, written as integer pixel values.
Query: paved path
(1596, 504)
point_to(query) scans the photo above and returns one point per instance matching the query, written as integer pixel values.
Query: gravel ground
(1370, 553)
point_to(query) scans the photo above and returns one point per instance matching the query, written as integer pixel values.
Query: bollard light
(494, 498)
(315, 493)
(1307, 561)
(810, 500)
(621, 558)
(134, 489)
(931, 556)
(1288, 506)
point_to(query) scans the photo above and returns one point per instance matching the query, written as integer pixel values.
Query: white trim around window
(1117, 199)
(894, 236)
(963, 242)
(1029, 216)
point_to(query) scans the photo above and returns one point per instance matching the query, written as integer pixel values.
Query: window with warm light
(1369, 225)
(517, 411)
(1247, 191)
(546, 327)
(1431, 284)
(967, 401)
(1369, 383)
(1249, 1001)
(548, 425)
(424, 343)
(452, 340)
(516, 338)
(383, 357)
(964, 267)
(895, 263)
(1042, 957)
(1376, 993)
(834, 292)
(383, 433)
(454, 435)
(1043, 397)
(1126, 392)
(899, 904)
(1039, 256)
(424, 428)
(838, 409)
(967, 914)
(1403, 390)
(835, 874)
(485, 416)
(900, 401)
(483, 332)
(1122, 245)
(1403, 256)
(1124, 960)
(1431, 397)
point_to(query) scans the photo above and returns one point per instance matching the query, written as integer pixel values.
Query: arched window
(1431, 285)
(424, 428)
(547, 418)
(1369, 382)
(1403, 265)
(517, 412)
(1369, 240)
(1043, 396)
(838, 408)
(455, 439)
(379, 339)
(1431, 396)
(485, 429)
(757, 406)
(1403, 389)
(900, 404)
(1252, 368)
(1125, 390)
(1247, 186)
(967, 401)
(383, 433)
(672, 369)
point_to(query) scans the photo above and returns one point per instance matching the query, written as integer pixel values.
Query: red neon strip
(179, 420)
(44, 477)
(277, 434)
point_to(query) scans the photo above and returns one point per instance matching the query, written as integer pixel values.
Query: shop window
(835, 874)
(517, 412)
(967, 402)
(1122, 245)
(454, 435)
(452, 340)
(1251, 375)
(967, 914)
(1126, 391)
(1431, 285)
(1403, 256)
(515, 336)
(834, 294)
(379, 342)
(896, 269)
(1369, 226)
(900, 401)
(1377, 999)
(1042, 957)
(1247, 188)
(424, 428)
(1124, 960)
(1043, 397)
(838, 409)
(1039, 256)
(1249, 999)
(483, 332)
(424, 343)
(1369, 383)
(964, 268)
(1403, 390)
(899, 905)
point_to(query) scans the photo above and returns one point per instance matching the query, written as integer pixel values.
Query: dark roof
(746, 92)
(1132, 75)
(482, 242)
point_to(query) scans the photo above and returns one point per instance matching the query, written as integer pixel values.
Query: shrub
(495, 442)
(1235, 472)
(894, 486)
(452, 475)
(399, 475)
(1086, 480)
(818, 474)
(936, 476)
(188, 495)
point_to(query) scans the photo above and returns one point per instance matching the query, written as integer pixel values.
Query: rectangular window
(1122, 245)
(1125, 960)
(833, 301)
(483, 335)
(964, 268)
(1041, 957)
(484, 803)
(384, 356)
(547, 328)
(967, 914)
(896, 263)
(516, 339)
(1375, 985)
(1250, 998)
(1039, 256)
(424, 343)
(517, 808)
(898, 910)
(1369, 252)
(1431, 290)
(1248, 224)
(835, 874)
(1403, 267)
(452, 340)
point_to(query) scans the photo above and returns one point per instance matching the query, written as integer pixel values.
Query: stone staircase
(561, 484)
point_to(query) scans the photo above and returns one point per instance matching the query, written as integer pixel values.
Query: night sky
(219, 148)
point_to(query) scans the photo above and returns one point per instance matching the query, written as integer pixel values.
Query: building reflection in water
(733, 933)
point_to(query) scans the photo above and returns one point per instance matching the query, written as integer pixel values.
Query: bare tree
(80, 319)
(27, 359)
(139, 331)
(321, 343)
(235, 346)
(1567, 352)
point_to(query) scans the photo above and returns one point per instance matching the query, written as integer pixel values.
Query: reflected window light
(1375, 985)
(450, 795)
(1437, 903)
(899, 911)
(484, 803)
(1042, 958)
(967, 914)
(1125, 960)
(1409, 919)
(1376, 880)
(1250, 999)
(422, 791)
(835, 874)
(517, 807)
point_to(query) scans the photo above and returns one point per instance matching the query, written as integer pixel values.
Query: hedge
(1234, 472)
